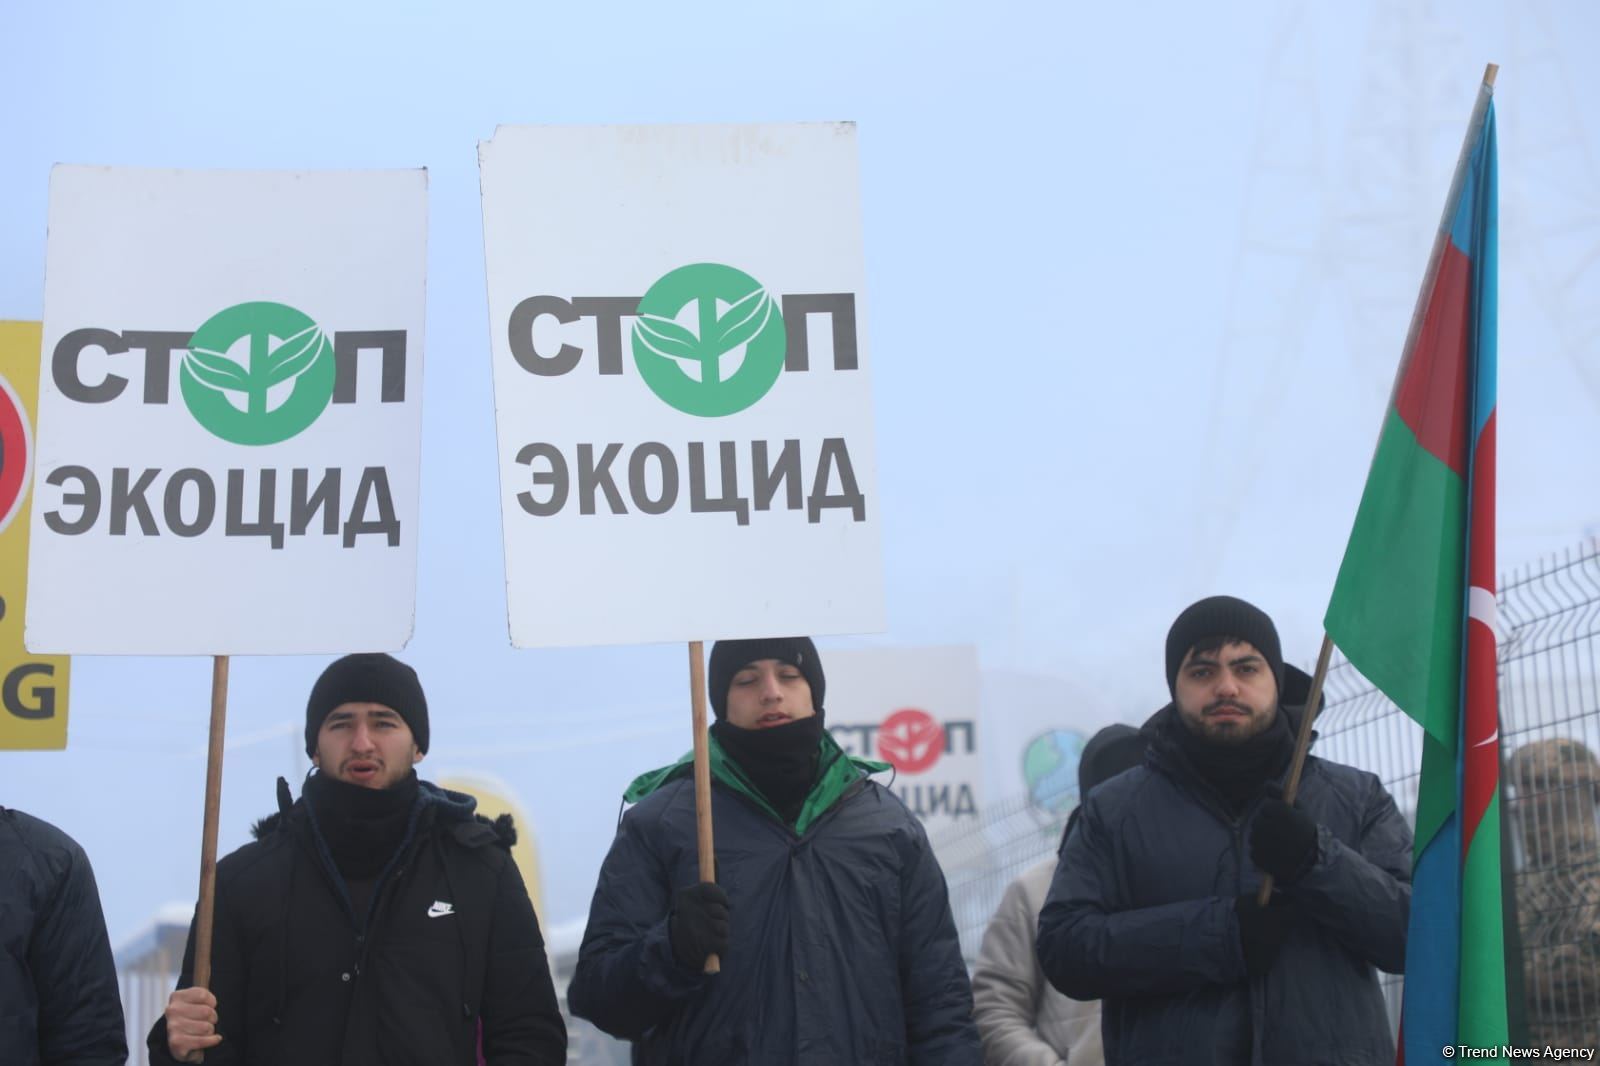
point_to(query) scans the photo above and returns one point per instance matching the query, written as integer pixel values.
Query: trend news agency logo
(709, 339)
(278, 383)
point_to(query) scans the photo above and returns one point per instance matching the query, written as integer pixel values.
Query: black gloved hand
(698, 926)
(1261, 931)
(1283, 840)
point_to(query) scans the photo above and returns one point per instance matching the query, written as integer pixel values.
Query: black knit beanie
(728, 657)
(370, 677)
(1109, 752)
(1222, 616)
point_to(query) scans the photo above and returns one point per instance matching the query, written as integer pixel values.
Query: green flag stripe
(1436, 793)
(1397, 602)
(1483, 945)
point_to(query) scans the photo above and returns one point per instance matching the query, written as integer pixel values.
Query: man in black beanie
(829, 913)
(377, 920)
(1153, 906)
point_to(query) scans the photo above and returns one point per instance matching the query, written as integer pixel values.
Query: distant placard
(230, 412)
(684, 414)
(918, 710)
(33, 688)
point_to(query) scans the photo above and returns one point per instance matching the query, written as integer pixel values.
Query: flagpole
(702, 775)
(1483, 1008)
(1302, 745)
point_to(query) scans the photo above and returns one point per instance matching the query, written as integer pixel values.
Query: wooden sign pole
(702, 774)
(1302, 745)
(208, 832)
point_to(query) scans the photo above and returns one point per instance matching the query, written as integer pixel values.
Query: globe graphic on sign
(1050, 767)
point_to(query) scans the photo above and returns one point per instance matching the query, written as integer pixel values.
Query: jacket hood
(447, 806)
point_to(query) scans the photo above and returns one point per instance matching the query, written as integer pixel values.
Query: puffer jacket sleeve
(1363, 896)
(933, 976)
(627, 980)
(1091, 946)
(80, 1010)
(1006, 986)
(522, 1023)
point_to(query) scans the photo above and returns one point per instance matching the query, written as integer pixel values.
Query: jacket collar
(442, 804)
(1164, 754)
(836, 774)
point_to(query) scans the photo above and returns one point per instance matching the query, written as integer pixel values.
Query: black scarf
(780, 761)
(363, 827)
(1237, 772)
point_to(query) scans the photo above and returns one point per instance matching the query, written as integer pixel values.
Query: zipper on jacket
(1238, 854)
(379, 900)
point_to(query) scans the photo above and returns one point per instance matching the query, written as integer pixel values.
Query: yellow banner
(33, 688)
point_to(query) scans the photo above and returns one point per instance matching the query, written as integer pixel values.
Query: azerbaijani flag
(1414, 606)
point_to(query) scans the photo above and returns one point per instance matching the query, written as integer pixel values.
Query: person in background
(59, 1000)
(1022, 1020)
(1558, 890)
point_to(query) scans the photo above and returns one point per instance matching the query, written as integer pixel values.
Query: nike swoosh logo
(439, 910)
(1490, 739)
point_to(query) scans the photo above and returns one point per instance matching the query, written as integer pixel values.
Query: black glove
(1261, 931)
(1283, 841)
(698, 926)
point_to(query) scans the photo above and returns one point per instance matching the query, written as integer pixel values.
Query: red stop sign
(910, 740)
(15, 453)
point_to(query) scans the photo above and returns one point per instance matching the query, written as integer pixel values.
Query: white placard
(229, 412)
(681, 382)
(916, 709)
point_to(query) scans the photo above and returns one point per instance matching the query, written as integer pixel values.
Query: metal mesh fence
(980, 861)
(1549, 628)
(1550, 731)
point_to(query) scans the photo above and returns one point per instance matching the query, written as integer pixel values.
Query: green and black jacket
(842, 946)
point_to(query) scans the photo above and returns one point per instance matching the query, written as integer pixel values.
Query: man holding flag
(1153, 907)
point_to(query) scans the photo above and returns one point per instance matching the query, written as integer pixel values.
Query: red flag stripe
(1480, 778)
(1431, 397)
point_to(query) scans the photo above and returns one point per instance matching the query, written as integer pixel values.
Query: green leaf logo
(729, 353)
(275, 387)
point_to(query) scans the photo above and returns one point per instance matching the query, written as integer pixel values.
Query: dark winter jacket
(58, 985)
(449, 939)
(1141, 914)
(842, 949)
